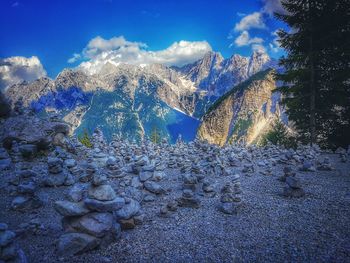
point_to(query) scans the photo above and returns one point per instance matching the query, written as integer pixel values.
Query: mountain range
(132, 101)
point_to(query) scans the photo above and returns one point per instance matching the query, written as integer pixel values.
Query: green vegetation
(278, 135)
(85, 139)
(239, 88)
(316, 79)
(241, 127)
(155, 135)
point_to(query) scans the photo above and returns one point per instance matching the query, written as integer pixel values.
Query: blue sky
(53, 30)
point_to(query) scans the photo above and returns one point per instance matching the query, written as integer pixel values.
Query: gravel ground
(269, 227)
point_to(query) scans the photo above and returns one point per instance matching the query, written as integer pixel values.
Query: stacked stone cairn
(231, 196)
(9, 249)
(89, 218)
(287, 171)
(5, 160)
(25, 192)
(325, 165)
(57, 176)
(293, 187)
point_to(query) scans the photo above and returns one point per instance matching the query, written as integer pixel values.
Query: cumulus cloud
(116, 50)
(244, 39)
(258, 48)
(14, 70)
(254, 20)
(74, 58)
(275, 45)
(271, 6)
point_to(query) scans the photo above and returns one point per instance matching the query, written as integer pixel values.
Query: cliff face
(243, 114)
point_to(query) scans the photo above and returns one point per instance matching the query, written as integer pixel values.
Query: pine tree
(316, 77)
(155, 135)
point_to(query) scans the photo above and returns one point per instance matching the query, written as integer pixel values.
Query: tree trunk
(312, 82)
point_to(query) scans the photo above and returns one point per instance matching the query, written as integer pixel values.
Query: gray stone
(95, 224)
(229, 208)
(67, 208)
(129, 210)
(99, 179)
(5, 164)
(74, 243)
(53, 180)
(20, 202)
(154, 187)
(3, 226)
(6, 237)
(145, 175)
(27, 188)
(75, 194)
(102, 193)
(70, 163)
(293, 182)
(292, 192)
(105, 206)
(28, 150)
(9, 252)
(70, 180)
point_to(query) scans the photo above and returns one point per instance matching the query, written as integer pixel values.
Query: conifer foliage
(317, 69)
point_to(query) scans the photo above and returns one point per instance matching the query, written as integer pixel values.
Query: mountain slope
(131, 100)
(244, 113)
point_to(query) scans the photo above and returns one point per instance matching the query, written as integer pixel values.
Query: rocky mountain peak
(258, 61)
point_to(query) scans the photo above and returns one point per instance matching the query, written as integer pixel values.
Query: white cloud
(258, 48)
(14, 70)
(271, 6)
(244, 39)
(75, 58)
(118, 50)
(274, 45)
(254, 20)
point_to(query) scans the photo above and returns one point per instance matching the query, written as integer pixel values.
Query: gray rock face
(243, 114)
(75, 243)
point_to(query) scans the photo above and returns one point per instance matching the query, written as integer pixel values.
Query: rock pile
(57, 175)
(5, 160)
(293, 188)
(231, 198)
(9, 249)
(89, 221)
(325, 165)
(189, 199)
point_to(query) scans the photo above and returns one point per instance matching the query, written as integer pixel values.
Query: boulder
(74, 243)
(67, 208)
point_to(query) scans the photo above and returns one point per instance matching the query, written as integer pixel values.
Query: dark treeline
(317, 78)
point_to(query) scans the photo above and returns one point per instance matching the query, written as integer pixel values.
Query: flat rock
(102, 193)
(74, 243)
(95, 224)
(6, 237)
(129, 210)
(154, 187)
(67, 208)
(105, 206)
